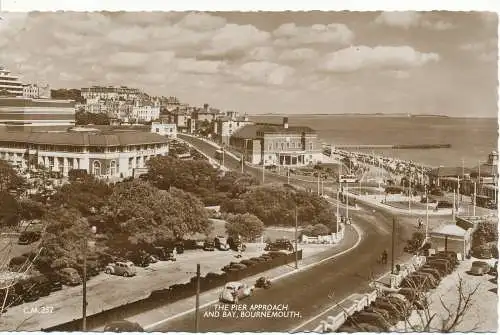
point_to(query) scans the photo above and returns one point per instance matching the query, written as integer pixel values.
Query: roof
(448, 171)
(83, 138)
(450, 230)
(250, 131)
(487, 170)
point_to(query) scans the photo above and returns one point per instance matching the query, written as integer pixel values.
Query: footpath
(105, 291)
(149, 320)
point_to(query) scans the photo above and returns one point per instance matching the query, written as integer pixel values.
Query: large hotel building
(37, 131)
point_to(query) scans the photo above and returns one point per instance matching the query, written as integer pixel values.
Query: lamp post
(93, 230)
(296, 239)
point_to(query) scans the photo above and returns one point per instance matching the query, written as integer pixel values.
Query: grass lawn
(414, 205)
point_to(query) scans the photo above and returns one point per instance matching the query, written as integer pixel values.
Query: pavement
(65, 305)
(151, 320)
(483, 313)
(306, 292)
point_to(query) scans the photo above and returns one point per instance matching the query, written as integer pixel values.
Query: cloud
(234, 38)
(301, 54)
(491, 56)
(362, 57)
(412, 19)
(128, 60)
(191, 65)
(262, 53)
(485, 51)
(399, 19)
(290, 34)
(266, 73)
(201, 21)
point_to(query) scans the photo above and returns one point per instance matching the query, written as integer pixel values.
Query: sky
(276, 62)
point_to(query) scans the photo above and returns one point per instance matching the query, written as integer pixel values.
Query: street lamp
(93, 230)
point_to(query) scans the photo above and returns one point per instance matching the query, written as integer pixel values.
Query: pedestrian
(384, 257)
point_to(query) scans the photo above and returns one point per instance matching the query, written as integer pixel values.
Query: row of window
(287, 145)
(67, 148)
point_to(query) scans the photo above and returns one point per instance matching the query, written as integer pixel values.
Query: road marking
(305, 267)
(330, 308)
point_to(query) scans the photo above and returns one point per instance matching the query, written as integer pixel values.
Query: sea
(471, 139)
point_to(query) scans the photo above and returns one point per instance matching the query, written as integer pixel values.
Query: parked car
(385, 311)
(370, 318)
(433, 281)
(414, 296)
(27, 289)
(235, 291)
(279, 244)
(393, 306)
(434, 272)
(235, 243)
(69, 276)
(28, 237)
(221, 243)
(140, 259)
(18, 263)
(164, 254)
(444, 204)
(123, 326)
(437, 192)
(209, 245)
(479, 268)
(440, 264)
(248, 262)
(125, 269)
(494, 270)
(12, 299)
(450, 255)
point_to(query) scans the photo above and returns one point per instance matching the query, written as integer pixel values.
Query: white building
(145, 113)
(31, 91)
(164, 129)
(10, 84)
(110, 155)
(110, 92)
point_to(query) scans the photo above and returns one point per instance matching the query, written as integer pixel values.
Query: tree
(141, 213)
(87, 195)
(10, 180)
(316, 230)
(246, 225)
(276, 205)
(30, 210)
(9, 210)
(487, 231)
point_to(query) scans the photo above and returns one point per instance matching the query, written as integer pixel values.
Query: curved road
(309, 292)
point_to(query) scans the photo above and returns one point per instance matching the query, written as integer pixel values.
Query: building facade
(110, 92)
(278, 145)
(146, 113)
(228, 125)
(164, 129)
(112, 155)
(10, 85)
(36, 112)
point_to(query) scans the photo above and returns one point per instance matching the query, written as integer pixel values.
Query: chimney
(285, 122)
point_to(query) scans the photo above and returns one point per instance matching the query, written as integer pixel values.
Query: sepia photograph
(239, 171)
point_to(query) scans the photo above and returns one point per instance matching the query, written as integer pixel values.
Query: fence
(357, 302)
(173, 293)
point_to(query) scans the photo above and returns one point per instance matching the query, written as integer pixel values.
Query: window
(157, 130)
(282, 146)
(310, 146)
(96, 168)
(112, 168)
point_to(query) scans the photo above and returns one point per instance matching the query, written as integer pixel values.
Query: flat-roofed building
(275, 144)
(27, 112)
(104, 154)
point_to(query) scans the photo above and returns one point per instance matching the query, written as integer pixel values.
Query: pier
(389, 146)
